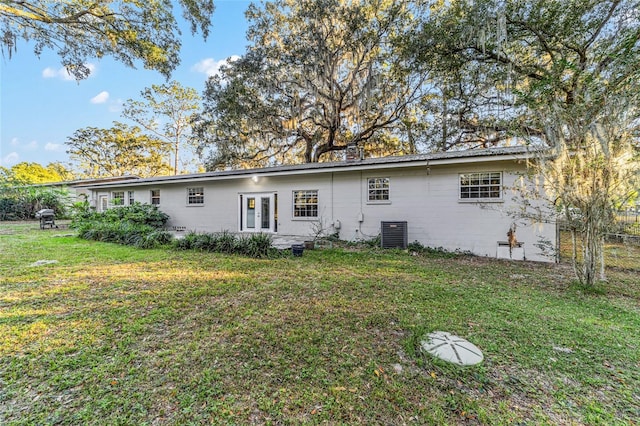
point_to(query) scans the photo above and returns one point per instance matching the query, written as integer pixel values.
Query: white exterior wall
(429, 202)
(426, 198)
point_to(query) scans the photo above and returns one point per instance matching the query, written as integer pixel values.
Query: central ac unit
(394, 235)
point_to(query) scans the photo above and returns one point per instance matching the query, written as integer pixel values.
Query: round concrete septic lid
(452, 348)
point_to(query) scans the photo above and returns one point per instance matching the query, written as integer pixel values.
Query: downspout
(558, 242)
(332, 200)
(360, 213)
(361, 183)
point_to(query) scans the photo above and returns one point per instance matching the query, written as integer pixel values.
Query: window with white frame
(132, 198)
(482, 185)
(117, 198)
(378, 189)
(155, 197)
(305, 203)
(195, 196)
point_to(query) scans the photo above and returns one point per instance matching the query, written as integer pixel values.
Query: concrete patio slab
(285, 241)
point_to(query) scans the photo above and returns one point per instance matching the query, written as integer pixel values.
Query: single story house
(452, 200)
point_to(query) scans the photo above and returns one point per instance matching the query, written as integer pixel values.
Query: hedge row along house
(460, 201)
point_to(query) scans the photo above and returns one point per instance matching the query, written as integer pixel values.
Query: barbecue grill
(47, 218)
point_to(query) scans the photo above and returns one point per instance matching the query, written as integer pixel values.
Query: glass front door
(258, 212)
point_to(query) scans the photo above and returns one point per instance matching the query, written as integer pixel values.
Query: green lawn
(117, 335)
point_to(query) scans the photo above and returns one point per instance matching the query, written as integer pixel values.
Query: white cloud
(100, 98)
(116, 105)
(11, 159)
(31, 146)
(56, 147)
(211, 67)
(49, 73)
(63, 74)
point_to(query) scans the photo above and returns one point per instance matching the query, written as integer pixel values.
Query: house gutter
(359, 166)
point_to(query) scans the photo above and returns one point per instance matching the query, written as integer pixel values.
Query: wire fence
(622, 242)
(627, 223)
(620, 251)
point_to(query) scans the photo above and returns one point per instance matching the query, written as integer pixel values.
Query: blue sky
(40, 106)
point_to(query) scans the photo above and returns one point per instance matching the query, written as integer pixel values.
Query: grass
(118, 335)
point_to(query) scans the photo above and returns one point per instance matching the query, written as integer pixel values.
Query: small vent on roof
(393, 235)
(353, 153)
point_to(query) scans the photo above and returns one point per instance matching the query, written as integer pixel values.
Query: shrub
(226, 242)
(154, 239)
(373, 242)
(187, 242)
(138, 225)
(418, 247)
(254, 245)
(9, 209)
(81, 212)
(20, 202)
(205, 242)
(139, 214)
(135, 214)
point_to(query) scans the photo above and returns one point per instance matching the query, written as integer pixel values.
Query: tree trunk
(175, 162)
(593, 251)
(574, 253)
(603, 276)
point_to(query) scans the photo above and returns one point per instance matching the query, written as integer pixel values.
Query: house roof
(438, 158)
(88, 182)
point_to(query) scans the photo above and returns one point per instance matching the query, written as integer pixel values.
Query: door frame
(103, 202)
(243, 197)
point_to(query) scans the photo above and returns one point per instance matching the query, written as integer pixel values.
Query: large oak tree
(128, 30)
(118, 151)
(318, 75)
(562, 75)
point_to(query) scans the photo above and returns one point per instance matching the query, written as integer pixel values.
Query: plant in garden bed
(137, 213)
(253, 245)
(418, 247)
(139, 225)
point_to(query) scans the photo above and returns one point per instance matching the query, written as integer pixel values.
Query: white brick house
(454, 200)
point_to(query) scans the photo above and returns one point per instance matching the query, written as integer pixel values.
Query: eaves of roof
(431, 159)
(89, 182)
